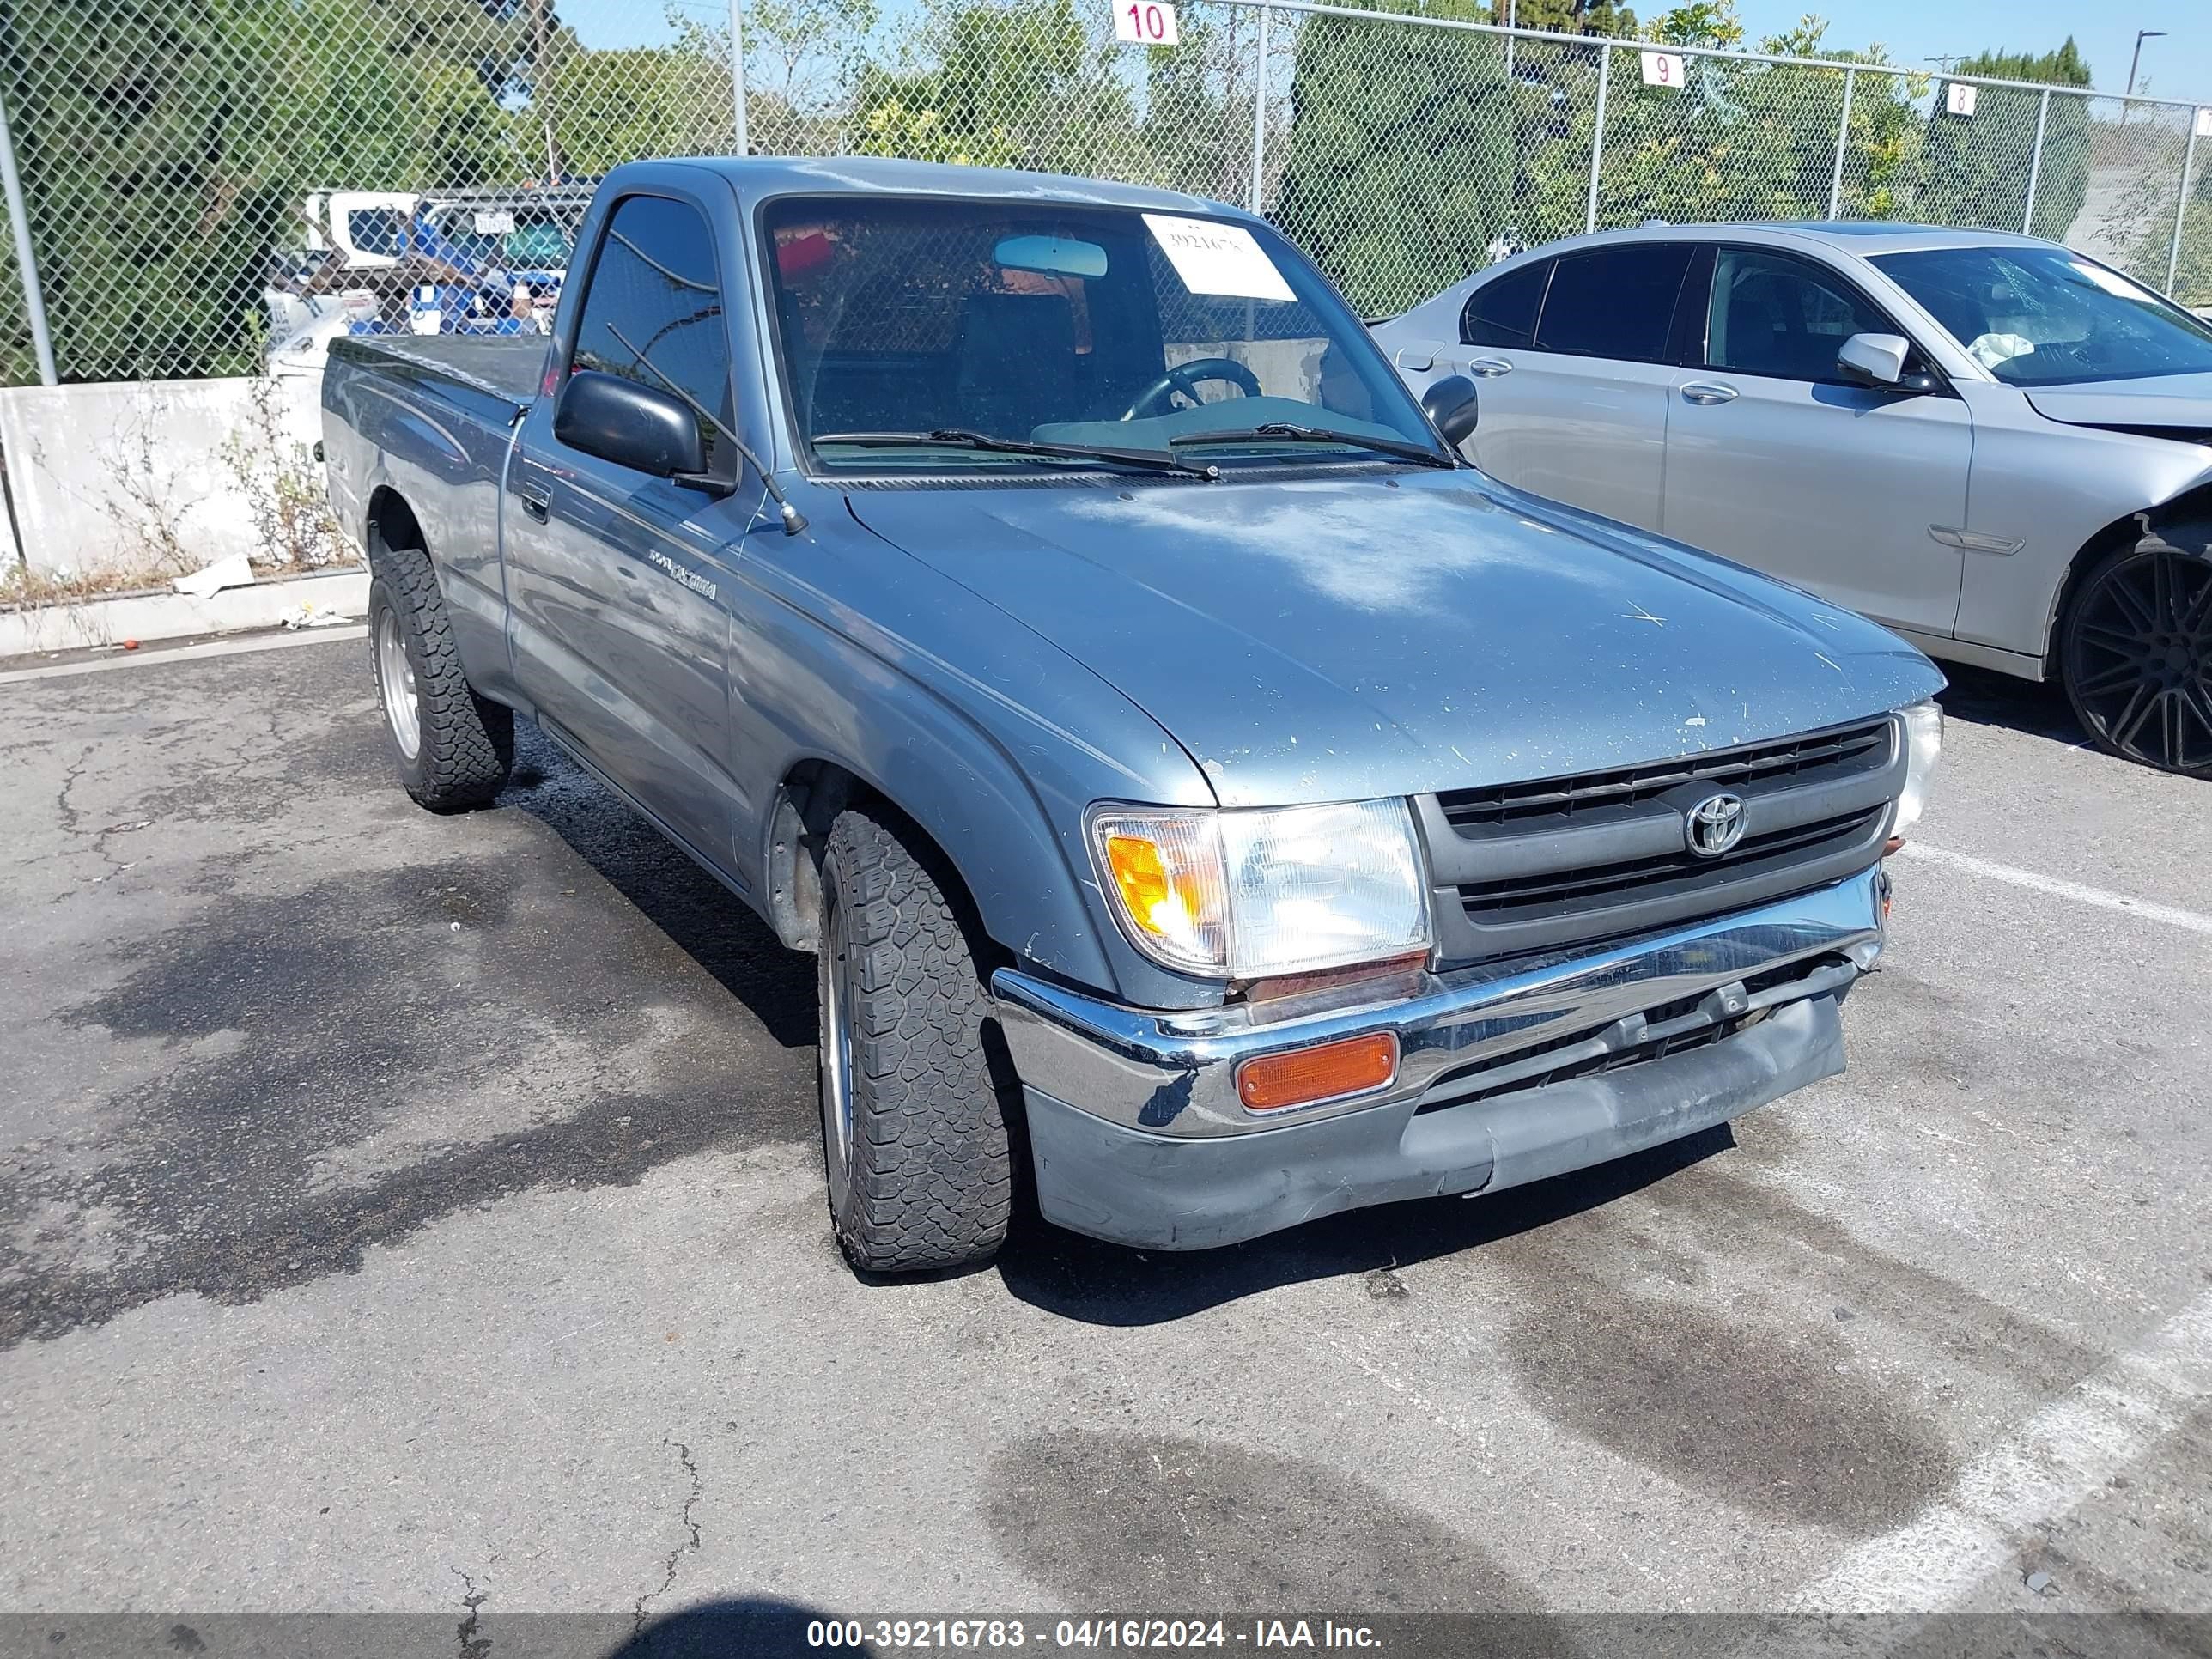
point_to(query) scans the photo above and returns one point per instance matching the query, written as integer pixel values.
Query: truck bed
(504, 367)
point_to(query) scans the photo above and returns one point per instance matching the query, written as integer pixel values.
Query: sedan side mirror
(631, 425)
(1875, 359)
(1450, 403)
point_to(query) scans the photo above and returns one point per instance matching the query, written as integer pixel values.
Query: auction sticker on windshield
(1216, 258)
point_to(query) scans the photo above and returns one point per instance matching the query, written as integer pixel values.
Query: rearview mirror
(1875, 359)
(1450, 403)
(1050, 256)
(631, 425)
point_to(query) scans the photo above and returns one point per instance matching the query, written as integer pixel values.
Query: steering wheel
(1184, 378)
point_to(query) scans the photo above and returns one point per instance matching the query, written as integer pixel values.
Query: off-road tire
(2134, 650)
(466, 742)
(926, 1180)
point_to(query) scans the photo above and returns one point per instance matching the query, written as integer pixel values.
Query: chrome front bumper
(1477, 1031)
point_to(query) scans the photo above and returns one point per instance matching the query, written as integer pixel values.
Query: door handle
(1709, 391)
(536, 503)
(1488, 367)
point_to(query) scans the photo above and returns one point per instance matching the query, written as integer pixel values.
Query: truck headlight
(1924, 742)
(1258, 894)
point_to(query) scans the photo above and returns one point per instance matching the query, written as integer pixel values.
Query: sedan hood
(1362, 634)
(2183, 402)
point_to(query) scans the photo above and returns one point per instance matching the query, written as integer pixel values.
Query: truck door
(619, 582)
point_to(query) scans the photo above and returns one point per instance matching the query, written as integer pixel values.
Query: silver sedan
(2001, 448)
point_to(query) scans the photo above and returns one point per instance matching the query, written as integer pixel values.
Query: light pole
(2135, 62)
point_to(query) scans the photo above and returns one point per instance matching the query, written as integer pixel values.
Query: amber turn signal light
(1328, 1071)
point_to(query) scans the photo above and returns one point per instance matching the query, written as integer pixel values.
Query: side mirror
(1875, 359)
(1450, 403)
(631, 425)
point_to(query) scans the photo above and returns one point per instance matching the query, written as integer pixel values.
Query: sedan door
(1775, 460)
(1571, 356)
(1480, 332)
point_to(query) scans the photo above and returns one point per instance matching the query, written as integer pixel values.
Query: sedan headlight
(1924, 742)
(1258, 894)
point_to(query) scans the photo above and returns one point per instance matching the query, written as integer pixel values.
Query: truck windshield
(2042, 316)
(899, 321)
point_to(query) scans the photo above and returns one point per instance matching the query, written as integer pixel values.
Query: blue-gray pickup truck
(1211, 803)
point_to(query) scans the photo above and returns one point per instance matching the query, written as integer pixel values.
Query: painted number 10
(1145, 23)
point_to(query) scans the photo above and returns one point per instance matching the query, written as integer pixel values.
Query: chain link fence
(202, 180)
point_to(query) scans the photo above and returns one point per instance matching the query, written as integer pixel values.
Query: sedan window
(1502, 311)
(2042, 316)
(1614, 301)
(1781, 317)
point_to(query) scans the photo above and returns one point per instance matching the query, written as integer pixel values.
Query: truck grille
(1797, 760)
(1534, 865)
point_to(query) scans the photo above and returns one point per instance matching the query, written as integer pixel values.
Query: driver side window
(654, 294)
(1783, 317)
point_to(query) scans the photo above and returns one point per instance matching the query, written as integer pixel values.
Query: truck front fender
(999, 781)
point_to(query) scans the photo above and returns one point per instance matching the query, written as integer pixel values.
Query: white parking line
(151, 655)
(2172, 915)
(2062, 1456)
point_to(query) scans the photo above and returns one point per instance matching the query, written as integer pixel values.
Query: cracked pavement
(423, 1215)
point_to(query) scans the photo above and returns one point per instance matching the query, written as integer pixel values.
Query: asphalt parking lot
(416, 1214)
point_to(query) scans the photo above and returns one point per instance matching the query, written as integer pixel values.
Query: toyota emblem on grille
(1715, 825)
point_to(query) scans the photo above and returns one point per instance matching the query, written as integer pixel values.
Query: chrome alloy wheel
(395, 679)
(836, 1053)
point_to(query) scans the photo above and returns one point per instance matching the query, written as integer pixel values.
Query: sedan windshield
(2042, 316)
(909, 330)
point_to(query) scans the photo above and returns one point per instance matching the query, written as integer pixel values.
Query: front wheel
(915, 1127)
(2135, 652)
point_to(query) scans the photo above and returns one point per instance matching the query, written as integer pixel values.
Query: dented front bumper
(1507, 1073)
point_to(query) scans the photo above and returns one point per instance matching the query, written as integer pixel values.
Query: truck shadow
(711, 925)
(1099, 1283)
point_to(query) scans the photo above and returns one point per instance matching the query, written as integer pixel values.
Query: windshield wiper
(1290, 431)
(1143, 460)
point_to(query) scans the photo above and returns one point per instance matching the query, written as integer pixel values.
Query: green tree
(808, 54)
(1738, 139)
(1399, 170)
(606, 107)
(1975, 169)
(1568, 17)
(1025, 78)
(167, 152)
(1198, 106)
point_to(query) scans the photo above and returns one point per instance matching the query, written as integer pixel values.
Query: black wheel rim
(2141, 659)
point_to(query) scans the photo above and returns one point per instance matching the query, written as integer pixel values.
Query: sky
(2179, 66)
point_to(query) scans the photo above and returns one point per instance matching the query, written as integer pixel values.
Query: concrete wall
(151, 475)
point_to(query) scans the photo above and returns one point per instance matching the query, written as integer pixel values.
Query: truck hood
(2181, 402)
(1341, 637)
